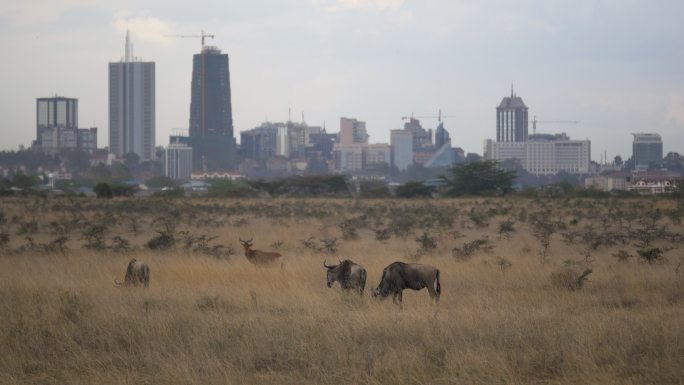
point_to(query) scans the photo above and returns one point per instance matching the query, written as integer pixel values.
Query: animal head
(331, 273)
(383, 289)
(247, 244)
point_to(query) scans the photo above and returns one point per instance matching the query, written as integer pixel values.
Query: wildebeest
(399, 276)
(350, 275)
(258, 257)
(136, 273)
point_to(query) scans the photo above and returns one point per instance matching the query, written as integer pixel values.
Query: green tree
(226, 188)
(77, 161)
(479, 178)
(414, 189)
(100, 173)
(618, 161)
(25, 181)
(121, 172)
(161, 182)
(103, 190)
(372, 189)
(132, 161)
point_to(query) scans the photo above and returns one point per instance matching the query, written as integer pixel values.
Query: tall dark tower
(211, 115)
(511, 120)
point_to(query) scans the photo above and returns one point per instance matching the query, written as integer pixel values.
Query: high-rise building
(402, 148)
(55, 112)
(422, 138)
(259, 143)
(647, 149)
(211, 115)
(377, 154)
(441, 136)
(178, 161)
(511, 119)
(57, 127)
(132, 106)
(348, 157)
(352, 131)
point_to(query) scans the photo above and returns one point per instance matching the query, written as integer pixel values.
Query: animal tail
(438, 287)
(362, 281)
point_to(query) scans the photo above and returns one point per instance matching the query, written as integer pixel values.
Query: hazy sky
(615, 65)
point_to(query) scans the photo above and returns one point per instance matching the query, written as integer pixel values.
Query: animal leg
(397, 295)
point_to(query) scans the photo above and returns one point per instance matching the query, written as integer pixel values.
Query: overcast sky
(615, 65)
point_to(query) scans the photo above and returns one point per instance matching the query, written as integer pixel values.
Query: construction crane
(535, 121)
(439, 117)
(202, 35)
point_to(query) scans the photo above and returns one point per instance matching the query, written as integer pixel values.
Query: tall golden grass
(205, 320)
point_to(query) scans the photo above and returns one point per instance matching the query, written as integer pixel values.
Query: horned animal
(350, 275)
(137, 273)
(258, 257)
(399, 276)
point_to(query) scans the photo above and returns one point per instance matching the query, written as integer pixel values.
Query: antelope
(258, 257)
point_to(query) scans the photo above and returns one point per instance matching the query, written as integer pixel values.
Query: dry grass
(206, 320)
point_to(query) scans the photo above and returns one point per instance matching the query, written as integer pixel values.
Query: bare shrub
(569, 278)
(469, 248)
(426, 243)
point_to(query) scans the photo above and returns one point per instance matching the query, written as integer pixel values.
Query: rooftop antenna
(512, 93)
(289, 114)
(303, 117)
(128, 46)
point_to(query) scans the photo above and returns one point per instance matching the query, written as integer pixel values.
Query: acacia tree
(479, 178)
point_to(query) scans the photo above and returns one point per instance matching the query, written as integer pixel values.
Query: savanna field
(515, 306)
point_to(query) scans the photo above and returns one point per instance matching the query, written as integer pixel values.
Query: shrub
(569, 278)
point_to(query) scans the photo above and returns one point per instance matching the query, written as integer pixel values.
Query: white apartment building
(178, 161)
(544, 154)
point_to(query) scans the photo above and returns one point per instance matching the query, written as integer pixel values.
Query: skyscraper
(402, 148)
(132, 106)
(57, 112)
(211, 115)
(647, 150)
(511, 120)
(57, 127)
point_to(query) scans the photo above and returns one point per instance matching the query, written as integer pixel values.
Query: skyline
(372, 60)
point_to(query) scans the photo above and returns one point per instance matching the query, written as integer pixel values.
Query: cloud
(29, 13)
(675, 109)
(145, 28)
(364, 5)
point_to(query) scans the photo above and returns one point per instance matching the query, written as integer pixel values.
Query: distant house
(199, 176)
(654, 182)
(607, 182)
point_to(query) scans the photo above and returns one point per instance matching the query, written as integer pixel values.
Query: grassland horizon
(211, 317)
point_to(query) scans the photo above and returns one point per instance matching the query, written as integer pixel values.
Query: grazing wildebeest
(136, 273)
(258, 257)
(350, 275)
(399, 276)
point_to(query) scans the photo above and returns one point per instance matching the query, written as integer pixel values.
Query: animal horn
(116, 282)
(326, 266)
